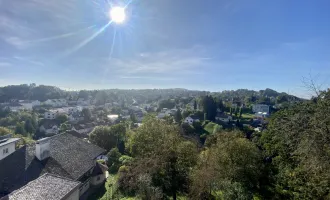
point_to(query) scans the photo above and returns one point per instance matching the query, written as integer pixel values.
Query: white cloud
(172, 62)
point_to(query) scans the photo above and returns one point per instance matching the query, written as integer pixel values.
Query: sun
(117, 14)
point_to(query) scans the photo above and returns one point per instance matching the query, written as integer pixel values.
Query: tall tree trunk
(174, 195)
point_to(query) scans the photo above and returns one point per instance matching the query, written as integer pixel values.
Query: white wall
(11, 149)
(73, 196)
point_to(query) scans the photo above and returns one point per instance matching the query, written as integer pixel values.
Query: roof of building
(99, 169)
(49, 123)
(47, 186)
(4, 142)
(70, 157)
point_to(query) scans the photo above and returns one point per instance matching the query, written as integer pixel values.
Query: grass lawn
(247, 115)
(210, 127)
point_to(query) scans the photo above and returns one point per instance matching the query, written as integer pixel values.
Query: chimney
(43, 148)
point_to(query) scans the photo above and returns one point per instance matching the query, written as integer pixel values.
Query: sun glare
(117, 14)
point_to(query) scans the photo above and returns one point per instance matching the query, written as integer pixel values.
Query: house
(99, 174)
(75, 117)
(191, 119)
(261, 114)
(62, 155)
(83, 128)
(49, 127)
(7, 145)
(256, 108)
(83, 102)
(47, 186)
(29, 104)
(56, 102)
(223, 117)
(50, 114)
(112, 118)
(13, 106)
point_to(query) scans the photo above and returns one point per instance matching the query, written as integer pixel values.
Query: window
(5, 151)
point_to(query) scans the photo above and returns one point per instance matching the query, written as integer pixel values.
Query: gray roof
(8, 141)
(70, 157)
(47, 186)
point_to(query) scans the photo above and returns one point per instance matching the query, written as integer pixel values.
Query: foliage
(167, 159)
(230, 168)
(108, 137)
(113, 160)
(178, 116)
(169, 104)
(5, 131)
(87, 114)
(62, 118)
(20, 129)
(209, 107)
(298, 140)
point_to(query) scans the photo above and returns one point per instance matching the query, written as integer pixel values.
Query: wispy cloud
(173, 62)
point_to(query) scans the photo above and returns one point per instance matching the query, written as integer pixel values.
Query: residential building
(49, 127)
(83, 128)
(29, 104)
(261, 114)
(83, 102)
(7, 145)
(256, 108)
(191, 119)
(56, 102)
(13, 106)
(62, 155)
(112, 118)
(47, 186)
(50, 114)
(223, 117)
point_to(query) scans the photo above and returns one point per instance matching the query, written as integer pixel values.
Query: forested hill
(43, 92)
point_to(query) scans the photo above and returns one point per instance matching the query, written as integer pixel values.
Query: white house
(29, 105)
(261, 114)
(56, 102)
(256, 108)
(7, 145)
(49, 127)
(112, 118)
(190, 120)
(50, 114)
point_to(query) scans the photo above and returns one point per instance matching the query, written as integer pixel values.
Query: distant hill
(43, 92)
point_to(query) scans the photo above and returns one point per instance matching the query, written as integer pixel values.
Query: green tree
(209, 107)
(166, 158)
(62, 118)
(20, 129)
(229, 169)
(5, 131)
(28, 126)
(87, 114)
(240, 112)
(297, 139)
(133, 118)
(108, 137)
(113, 160)
(195, 105)
(178, 116)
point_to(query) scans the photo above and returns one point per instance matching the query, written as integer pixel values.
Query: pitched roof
(47, 186)
(70, 157)
(99, 169)
(49, 123)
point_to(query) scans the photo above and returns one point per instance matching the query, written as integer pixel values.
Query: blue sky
(206, 45)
